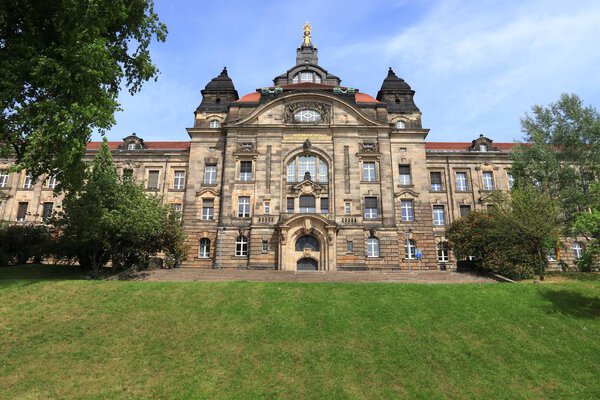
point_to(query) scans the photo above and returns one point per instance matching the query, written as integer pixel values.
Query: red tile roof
(147, 145)
(464, 146)
(365, 98)
(249, 98)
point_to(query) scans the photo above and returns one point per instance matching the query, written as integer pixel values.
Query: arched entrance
(307, 264)
(307, 243)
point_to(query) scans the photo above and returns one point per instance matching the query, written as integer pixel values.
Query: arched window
(306, 76)
(307, 115)
(372, 247)
(131, 146)
(307, 242)
(307, 204)
(410, 249)
(442, 252)
(577, 250)
(214, 124)
(204, 249)
(241, 246)
(400, 125)
(298, 168)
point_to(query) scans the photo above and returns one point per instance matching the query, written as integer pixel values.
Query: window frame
(150, 173)
(491, 186)
(411, 251)
(373, 247)
(461, 188)
(368, 211)
(208, 213)
(243, 207)
(214, 123)
(241, 246)
(204, 248)
(209, 171)
(369, 175)
(433, 186)
(410, 216)
(4, 178)
(45, 214)
(577, 249)
(179, 180)
(402, 177)
(438, 210)
(244, 175)
(443, 252)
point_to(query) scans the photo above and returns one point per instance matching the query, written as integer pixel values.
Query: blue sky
(476, 66)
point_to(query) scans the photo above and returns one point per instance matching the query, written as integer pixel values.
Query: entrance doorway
(307, 264)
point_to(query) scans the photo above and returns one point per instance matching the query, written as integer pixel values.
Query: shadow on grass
(573, 303)
(28, 274)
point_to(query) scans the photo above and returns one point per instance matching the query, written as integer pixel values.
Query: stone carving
(347, 169)
(369, 147)
(268, 161)
(245, 147)
(321, 108)
(306, 145)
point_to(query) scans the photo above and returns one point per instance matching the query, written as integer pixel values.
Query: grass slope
(182, 340)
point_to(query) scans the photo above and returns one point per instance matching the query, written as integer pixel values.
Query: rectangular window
(179, 180)
(410, 249)
(245, 171)
(267, 207)
(208, 209)
(347, 208)
(438, 215)
(465, 210)
(291, 171)
(153, 179)
(210, 174)
(405, 178)
(28, 183)
(307, 204)
(290, 205)
(442, 252)
(3, 178)
(265, 246)
(22, 211)
(436, 181)
(243, 206)
(406, 207)
(488, 180)
(349, 246)
(176, 208)
(371, 209)
(461, 181)
(369, 171)
(51, 182)
(47, 212)
(511, 180)
(324, 205)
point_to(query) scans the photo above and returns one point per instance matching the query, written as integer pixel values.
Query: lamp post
(407, 233)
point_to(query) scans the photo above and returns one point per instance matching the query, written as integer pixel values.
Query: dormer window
(483, 147)
(400, 125)
(131, 146)
(307, 116)
(306, 76)
(214, 124)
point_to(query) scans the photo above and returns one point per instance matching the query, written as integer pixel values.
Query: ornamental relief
(291, 109)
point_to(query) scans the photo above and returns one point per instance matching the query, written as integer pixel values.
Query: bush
(21, 243)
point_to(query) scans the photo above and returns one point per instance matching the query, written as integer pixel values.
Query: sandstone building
(304, 174)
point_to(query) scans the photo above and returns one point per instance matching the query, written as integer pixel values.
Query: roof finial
(224, 72)
(307, 29)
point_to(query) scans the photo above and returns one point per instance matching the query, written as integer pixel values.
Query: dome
(392, 82)
(221, 83)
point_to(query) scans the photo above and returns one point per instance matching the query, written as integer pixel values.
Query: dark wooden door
(307, 264)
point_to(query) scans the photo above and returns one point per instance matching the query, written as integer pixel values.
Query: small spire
(391, 72)
(224, 72)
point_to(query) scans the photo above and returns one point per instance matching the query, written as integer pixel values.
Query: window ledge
(177, 190)
(406, 186)
(209, 185)
(251, 182)
(367, 182)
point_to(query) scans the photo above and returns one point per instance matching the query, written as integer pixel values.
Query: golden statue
(307, 29)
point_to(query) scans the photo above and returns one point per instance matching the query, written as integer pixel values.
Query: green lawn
(69, 338)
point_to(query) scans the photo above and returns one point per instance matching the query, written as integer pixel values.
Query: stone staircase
(213, 275)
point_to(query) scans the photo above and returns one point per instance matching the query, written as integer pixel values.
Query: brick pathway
(211, 275)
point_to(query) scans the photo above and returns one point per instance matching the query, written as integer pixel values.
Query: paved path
(211, 275)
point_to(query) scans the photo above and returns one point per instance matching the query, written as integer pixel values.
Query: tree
(587, 224)
(514, 237)
(562, 153)
(63, 64)
(114, 220)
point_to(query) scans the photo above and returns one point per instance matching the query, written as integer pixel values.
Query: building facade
(305, 174)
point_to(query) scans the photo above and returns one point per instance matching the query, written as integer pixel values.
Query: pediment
(406, 192)
(307, 186)
(209, 191)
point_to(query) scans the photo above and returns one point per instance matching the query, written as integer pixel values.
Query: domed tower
(218, 94)
(399, 98)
